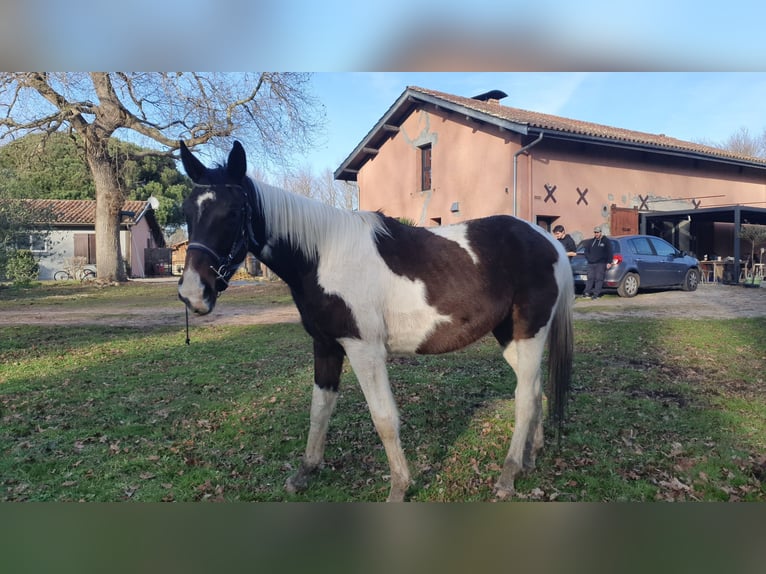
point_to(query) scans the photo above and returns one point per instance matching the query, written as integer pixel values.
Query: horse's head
(218, 213)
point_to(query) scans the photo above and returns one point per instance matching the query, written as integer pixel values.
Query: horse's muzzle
(196, 294)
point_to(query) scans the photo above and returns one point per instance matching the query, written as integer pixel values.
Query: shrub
(22, 267)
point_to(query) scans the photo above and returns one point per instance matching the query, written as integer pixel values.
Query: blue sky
(701, 106)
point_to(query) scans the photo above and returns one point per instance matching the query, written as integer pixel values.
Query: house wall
(60, 248)
(469, 166)
(472, 164)
(137, 239)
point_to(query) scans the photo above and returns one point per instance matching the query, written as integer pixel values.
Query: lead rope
(187, 324)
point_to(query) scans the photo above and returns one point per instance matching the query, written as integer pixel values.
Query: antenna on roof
(496, 95)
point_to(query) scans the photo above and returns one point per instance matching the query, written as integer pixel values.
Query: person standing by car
(598, 254)
(566, 240)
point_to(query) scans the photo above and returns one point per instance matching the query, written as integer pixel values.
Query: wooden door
(623, 221)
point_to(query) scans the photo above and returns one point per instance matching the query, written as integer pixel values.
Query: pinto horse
(367, 285)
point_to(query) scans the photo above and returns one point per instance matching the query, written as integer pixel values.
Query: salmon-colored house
(436, 158)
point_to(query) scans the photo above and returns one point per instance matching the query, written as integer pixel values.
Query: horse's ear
(237, 164)
(193, 167)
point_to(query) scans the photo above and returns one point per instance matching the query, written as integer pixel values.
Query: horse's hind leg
(369, 364)
(524, 356)
(328, 363)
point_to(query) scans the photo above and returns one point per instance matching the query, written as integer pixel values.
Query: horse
(366, 285)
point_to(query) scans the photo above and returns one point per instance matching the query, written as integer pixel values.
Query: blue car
(641, 262)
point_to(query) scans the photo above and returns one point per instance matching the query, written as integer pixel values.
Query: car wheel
(691, 280)
(629, 285)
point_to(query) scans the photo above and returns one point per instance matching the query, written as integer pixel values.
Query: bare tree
(273, 113)
(741, 142)
(300, 181)
(341, 194)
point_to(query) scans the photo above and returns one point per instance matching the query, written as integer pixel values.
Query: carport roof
(725, 214)
(736, 214)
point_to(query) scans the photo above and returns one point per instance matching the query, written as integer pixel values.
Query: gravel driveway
(708, 301)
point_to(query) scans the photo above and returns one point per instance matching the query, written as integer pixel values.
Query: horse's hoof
(296, 484)
(504, 492)
(398, 497)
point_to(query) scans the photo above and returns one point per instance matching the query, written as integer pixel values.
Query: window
(34, 242)
(425, 167)
(38, 243)
(640, 246)
(663, 247)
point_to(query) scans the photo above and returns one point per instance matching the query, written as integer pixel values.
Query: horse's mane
(314, 227)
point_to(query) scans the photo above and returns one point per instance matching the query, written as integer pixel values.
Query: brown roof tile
(77, 211)
(576, 127)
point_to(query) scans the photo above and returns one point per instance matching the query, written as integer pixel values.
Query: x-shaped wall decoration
(643, 205)
(582, 193)
(549, 189)
(696, 203)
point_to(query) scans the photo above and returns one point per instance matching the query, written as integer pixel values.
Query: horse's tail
(561, 346)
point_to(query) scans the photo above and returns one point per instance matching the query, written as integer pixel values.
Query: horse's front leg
(369, 363)
(328, 363)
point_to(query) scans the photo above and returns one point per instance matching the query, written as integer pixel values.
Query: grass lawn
(660, 410)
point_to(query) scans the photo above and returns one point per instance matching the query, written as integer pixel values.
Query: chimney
(491, 97)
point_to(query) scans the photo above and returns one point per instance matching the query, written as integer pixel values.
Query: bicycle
(80, 275)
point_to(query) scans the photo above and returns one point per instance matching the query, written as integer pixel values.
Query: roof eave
(655, 149)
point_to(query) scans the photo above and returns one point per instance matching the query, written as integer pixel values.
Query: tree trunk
(109, 202)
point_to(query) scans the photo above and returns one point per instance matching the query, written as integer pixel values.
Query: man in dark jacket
(598, 254)
(566, 240)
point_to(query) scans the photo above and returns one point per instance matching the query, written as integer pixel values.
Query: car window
(662, 247)
(615, 246)
(641, 246)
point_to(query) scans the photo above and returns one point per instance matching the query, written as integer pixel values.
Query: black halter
(226, 266)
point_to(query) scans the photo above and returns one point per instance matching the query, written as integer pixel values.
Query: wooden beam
(390, 128)
(370, 150)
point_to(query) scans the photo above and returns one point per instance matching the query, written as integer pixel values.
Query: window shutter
(85, 246)
(425, 167)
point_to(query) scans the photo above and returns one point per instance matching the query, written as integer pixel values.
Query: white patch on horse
(386, 307)
(525, 357)
(458, 234)
(322, 405)
(192, 290)
(368, 360)
(207, 196)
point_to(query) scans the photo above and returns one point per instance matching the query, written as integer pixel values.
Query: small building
(178, 256)
(435, 159)
(70, 232)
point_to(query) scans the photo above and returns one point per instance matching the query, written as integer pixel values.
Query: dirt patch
(173, 315)
(707, 302)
